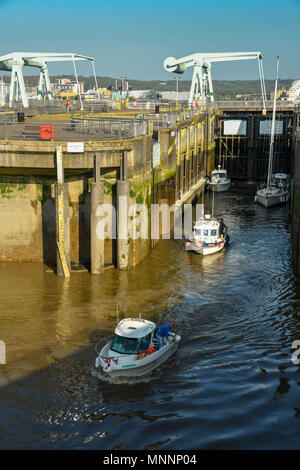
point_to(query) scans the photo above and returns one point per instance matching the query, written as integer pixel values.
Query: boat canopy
(281, 176)
(206, 224)
(219, 172)
(134, 328)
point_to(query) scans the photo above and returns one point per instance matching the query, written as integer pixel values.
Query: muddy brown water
(230, 385)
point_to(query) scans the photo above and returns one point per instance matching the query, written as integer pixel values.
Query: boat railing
(115, 359)
(101, 344)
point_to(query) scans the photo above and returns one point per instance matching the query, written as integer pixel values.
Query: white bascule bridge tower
(202, 87)
(15, 62)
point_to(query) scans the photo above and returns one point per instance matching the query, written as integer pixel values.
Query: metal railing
(189, 186)
(76, 129)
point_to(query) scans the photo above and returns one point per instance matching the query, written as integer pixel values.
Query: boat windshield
(123, 345)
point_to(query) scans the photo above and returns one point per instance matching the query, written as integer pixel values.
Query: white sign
(156, 154)
(75, 147)
(265, 127)
(235, 127)
(2, 353)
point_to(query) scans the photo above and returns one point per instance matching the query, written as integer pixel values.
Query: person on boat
(162, 334)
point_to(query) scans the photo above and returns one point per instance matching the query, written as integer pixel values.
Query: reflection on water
(231, 383)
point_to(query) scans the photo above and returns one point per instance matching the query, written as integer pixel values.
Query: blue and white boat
(209, 236)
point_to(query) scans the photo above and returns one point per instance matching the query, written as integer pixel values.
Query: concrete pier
(122, 225)
(117, 172)
(97, 242)
(62, 230)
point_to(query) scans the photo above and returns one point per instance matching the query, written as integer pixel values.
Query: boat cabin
(219, 174)
(206, 228)
(132, 336)
(281, 180)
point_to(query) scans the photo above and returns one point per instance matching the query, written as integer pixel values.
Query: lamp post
(176, 103)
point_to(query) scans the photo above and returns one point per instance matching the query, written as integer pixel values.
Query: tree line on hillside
(222, 88)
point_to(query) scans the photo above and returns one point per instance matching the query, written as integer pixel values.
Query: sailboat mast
(271, 151)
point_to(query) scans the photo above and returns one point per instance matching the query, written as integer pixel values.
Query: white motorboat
(219, 181)
(133, 349)
(209, 236)
(277, 190)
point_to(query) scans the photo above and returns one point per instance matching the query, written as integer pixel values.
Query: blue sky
(132, 38)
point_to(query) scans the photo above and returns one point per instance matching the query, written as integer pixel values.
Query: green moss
(169, 174)
(6, 189)
(148, 200)
(139, 198)
(107, 188)
(39, 193)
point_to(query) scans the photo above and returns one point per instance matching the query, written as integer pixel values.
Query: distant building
(280, 94)
(165, 95)
(138, 93)
(31, 92)
(65, 85)
(251, 97)
(293, 93)
(172, 95)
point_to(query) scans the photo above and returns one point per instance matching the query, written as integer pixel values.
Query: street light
(177, 78)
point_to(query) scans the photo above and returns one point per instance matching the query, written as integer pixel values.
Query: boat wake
(128, 380)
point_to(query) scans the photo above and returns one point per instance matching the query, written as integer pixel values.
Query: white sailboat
(277, 189)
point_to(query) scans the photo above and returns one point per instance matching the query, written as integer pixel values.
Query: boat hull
(141, 366)
(219, 187)
(269, 200)
(204, 250)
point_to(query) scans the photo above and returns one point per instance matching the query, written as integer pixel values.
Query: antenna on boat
(202, 206)
(118, 313)
(213, 203)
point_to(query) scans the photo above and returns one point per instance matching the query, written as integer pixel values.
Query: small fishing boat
(209, 236)
(133, 349)
(219, 181)
(277, 189)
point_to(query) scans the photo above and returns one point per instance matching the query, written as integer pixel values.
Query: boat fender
(177, 338)
(141, 355)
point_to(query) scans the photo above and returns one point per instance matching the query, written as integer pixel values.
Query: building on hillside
(293, 92)
(138, 93)
(65, 85)
(32, 92)
(281, 94)
(251, 97)
(174, 96)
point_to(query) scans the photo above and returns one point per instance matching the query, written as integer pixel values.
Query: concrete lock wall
(20, 222)
(296, 207)
(28, 210)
